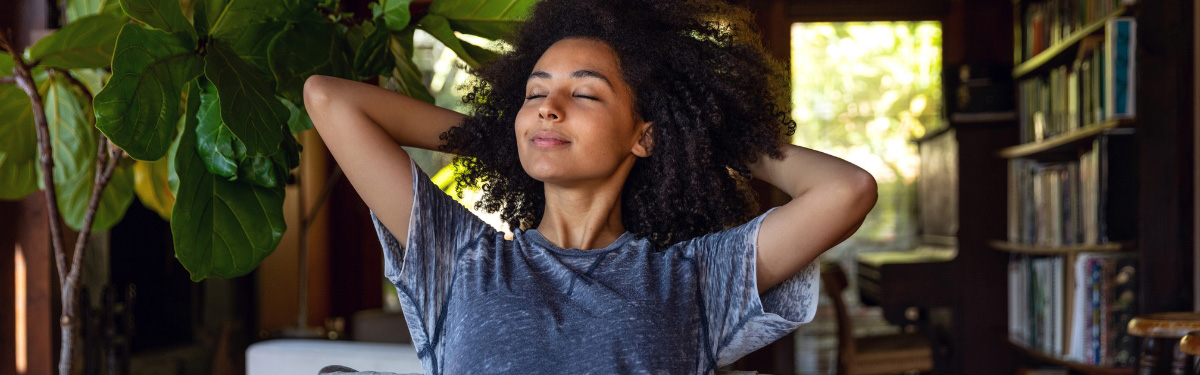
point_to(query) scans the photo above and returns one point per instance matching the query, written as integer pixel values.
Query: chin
(544, 171)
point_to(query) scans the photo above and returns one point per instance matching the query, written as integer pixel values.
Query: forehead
(573, 54)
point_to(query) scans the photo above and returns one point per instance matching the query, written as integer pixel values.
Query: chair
(1163, 337)
(1190, 345)
(871, 355)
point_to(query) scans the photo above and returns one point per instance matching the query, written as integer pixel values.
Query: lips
(546, 138)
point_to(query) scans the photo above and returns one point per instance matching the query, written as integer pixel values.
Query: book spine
(1119, 46)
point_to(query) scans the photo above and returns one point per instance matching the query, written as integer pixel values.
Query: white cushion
(307, 357)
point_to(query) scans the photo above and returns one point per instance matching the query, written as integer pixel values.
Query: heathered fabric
(477, 303)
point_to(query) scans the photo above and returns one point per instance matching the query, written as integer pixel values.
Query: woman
(615, 139)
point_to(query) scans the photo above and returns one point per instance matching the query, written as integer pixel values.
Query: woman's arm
(364, 126)
(830, 199)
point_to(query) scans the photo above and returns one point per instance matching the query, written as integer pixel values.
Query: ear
(644, 143)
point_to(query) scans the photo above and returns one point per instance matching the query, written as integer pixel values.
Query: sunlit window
(862, 91)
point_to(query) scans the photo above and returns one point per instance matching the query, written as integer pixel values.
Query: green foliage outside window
(861, 91)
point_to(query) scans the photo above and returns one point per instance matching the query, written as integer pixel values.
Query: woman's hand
(830, 199)
(409, 122)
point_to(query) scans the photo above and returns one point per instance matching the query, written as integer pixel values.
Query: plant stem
(106, 163)
(24, 78)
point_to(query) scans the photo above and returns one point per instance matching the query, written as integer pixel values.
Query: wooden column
(1164, 148)
(24, 229)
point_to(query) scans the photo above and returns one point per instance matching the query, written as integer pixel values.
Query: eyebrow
(577, 74)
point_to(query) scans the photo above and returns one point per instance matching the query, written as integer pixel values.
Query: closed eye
(586, 97)
(534, 96)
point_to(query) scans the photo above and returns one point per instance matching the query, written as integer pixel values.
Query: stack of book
(1098, 86)
(1079, 314)
(1051, 22)
(1082, 201)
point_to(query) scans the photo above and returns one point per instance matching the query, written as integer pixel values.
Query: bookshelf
(1062, 49)
(1068, 141)
(1073, 365)
(1018, 248)
(1072, 179)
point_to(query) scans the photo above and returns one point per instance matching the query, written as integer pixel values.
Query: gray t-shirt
(477, 303)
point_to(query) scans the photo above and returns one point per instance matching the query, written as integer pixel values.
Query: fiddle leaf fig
(439, 27)
(150, 182)
(304, 49)
(85, 43)
(18, 140)
(248, 105)
(224, 155)
(491, 19)
(395, 13)
(219, 148)
(138, 107)
(372, 57)
(298, 119)
(252, 43)
(225, 16)
(220, 228)
(165, 15)
(74, 153)
(406, 77)
(77, 9)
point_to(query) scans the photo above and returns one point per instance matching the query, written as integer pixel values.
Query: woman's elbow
(316, 91)
(863, 189)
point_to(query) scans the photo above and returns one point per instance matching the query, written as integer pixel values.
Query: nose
(549, 110)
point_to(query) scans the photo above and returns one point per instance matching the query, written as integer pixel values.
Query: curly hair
(698, 72)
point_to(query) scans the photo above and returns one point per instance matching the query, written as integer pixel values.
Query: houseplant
(191, 105)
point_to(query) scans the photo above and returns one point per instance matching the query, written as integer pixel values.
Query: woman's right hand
(408, 121)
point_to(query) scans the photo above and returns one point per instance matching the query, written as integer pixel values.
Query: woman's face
(577, 123)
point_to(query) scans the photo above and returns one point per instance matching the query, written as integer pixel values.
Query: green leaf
(77, 9)
(218, 147)
(150, 184)
(18, 141)
(227, 15)
(372, 57)
(491, 19)
(298, 119)
(93, 79)
(395, 13)
(357, 33)
(221, 228)
(252, 43)
(139, 106)
(164, 15)
(86, 43)
(188, 120)
(224, 155)
(248, 105)
(440, 28)
(73, 149)
(406, 76)
(306, 49)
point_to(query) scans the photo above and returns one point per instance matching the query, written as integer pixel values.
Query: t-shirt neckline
(537, 237)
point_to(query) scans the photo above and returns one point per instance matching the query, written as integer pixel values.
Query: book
(1075, 202)
(1120, 40)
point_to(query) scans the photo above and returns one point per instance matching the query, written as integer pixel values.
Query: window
(861, 91)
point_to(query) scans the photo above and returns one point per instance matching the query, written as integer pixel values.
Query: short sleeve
(440, 230)
(739, 319)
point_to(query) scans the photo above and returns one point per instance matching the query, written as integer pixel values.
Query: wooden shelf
(1062, 141)
(1061, 49)
(1077, 366)
(1056, 250)
(982, 117)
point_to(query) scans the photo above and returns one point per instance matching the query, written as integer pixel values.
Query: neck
(585, 215)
